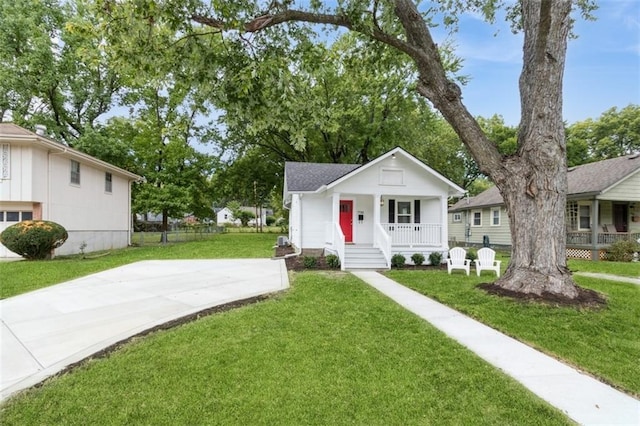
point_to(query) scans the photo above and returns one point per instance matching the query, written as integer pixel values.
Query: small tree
(34, 239)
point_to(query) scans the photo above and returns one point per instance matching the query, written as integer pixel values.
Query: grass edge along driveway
(331, 350)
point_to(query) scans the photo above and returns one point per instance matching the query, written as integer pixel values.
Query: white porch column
(376, 209)
(444, 222)
(595, 252)
(335, 210)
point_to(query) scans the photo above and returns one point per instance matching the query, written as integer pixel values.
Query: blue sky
(602, 68)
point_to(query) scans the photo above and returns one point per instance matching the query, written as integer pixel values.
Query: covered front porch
(368, 226)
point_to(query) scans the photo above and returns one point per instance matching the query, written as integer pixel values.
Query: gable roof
(312, 177)
(586, 179)
(309, 177)
(10, 132)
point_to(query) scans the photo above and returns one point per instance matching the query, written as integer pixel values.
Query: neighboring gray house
(603, 206)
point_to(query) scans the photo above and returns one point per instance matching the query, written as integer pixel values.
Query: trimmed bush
(471, 255)
(398, 260)
(333, 261)
(34, 239)
(309, 262)
(270, 220)
(622, 251)
(417, 258)
(435, 258)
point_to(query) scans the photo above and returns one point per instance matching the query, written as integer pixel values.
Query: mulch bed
(586, 298)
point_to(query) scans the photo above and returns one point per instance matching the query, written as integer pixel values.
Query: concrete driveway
(46, 330)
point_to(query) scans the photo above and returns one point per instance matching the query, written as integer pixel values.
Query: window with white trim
(476, 218)
(584, 217)
(75, 172)
(495, 217)
(457, 217)
(404, 212)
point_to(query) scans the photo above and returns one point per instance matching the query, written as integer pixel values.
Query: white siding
(316, 211)
(362, 230)
(40, 180)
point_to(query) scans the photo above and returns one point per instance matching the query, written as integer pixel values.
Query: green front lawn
(604, 342)
(23, 276)
(625, 269)
(331, 350)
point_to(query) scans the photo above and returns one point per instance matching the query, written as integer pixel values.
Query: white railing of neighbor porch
(414, 234)
(382, 240)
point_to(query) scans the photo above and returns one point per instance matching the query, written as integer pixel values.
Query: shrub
(417, 258)
(270, 220)
(333, 261)
(398, 260)
(34, 239)
(435, 258)
(622, 251)
(471, 255)
(309, 262)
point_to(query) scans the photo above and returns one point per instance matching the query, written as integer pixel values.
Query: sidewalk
(46, 330)
(609, 277)
(581, 397)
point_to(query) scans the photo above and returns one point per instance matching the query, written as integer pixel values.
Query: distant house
(603, 206)
(43, 179)
(365, 214)
(224, 216)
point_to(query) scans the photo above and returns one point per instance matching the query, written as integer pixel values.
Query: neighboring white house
(365, 214)
(603, 206)
(224, 216)
(44, 179)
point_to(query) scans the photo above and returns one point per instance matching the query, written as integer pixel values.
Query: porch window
(584, 216)
(404, 211)
(572, 216)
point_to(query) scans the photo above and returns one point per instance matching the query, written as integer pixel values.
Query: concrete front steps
(363, 257)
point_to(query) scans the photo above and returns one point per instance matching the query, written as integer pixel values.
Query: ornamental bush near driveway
(34, 239)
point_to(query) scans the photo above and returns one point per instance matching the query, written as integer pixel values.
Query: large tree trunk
(535, 188)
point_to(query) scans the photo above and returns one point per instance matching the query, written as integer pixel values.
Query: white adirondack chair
(458, 260)
(486, 261)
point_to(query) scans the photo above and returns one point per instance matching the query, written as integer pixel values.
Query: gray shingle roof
(303, 177)
(592, 178)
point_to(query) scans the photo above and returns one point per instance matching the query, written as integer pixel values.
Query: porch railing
(382, 240)
(414, 234)
(604, 238)
(338, 243)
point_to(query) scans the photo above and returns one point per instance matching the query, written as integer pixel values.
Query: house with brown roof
(603, 206)
(364, 214)
(41, 178)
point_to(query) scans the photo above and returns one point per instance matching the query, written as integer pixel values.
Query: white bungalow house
(603, 206)
(367, 213)
(44, 179)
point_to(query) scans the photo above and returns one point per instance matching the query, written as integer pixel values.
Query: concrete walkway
(46, 330)
(582, 398)
(610, 277)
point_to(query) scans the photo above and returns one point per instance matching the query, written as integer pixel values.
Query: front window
(13, 216)
(27, 215)
(404, 211)
(476, 217)
(75, 172)
(108, 182)
(584, 212)
(457, 217)
(495, 217)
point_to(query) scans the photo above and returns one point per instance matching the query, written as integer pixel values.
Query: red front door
(346, 219)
